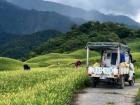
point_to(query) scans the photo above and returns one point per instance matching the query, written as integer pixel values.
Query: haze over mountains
(20, 21)
(73, 12)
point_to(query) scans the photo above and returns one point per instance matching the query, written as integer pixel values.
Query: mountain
(16, 46)
(73, 11)
(16, 20)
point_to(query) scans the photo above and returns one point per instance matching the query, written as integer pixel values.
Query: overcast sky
(126, 7)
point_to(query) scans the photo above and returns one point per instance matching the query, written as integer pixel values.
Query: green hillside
(62, 59)
(52, 59)
(56, 59)
(9, 64)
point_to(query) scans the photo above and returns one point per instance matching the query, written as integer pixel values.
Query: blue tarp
(122, 57)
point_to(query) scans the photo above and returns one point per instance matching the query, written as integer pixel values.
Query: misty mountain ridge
(16, 20)
(74, 12)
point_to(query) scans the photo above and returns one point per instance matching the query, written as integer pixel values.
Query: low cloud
(125, 7)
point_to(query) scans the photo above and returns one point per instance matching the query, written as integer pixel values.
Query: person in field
(78, 63)
(26, 67)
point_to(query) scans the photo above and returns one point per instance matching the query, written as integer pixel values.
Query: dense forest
(19, 46)
(91, 31)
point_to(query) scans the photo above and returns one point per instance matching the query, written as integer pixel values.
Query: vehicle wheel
(132, 82)
(121, 82)
(113, 83)
(93, 82)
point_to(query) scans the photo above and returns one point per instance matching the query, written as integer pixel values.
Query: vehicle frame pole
(87, 56)
(118, 62)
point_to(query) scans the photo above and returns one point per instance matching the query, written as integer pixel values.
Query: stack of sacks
(96, 65)
(124, 64)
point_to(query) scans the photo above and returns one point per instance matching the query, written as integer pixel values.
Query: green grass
(136, 56)
(9, 64)
(53, 58)
(81, 54)
(135, 45)
(137, 71)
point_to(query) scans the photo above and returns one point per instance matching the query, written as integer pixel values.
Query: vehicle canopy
(102, 46)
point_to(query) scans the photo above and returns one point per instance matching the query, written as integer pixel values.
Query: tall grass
(41, 86)
(136, 56)
(137, 72)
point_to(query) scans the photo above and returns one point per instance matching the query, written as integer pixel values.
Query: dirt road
(105, 95)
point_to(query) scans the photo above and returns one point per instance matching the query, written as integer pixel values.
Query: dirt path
(105, 95)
